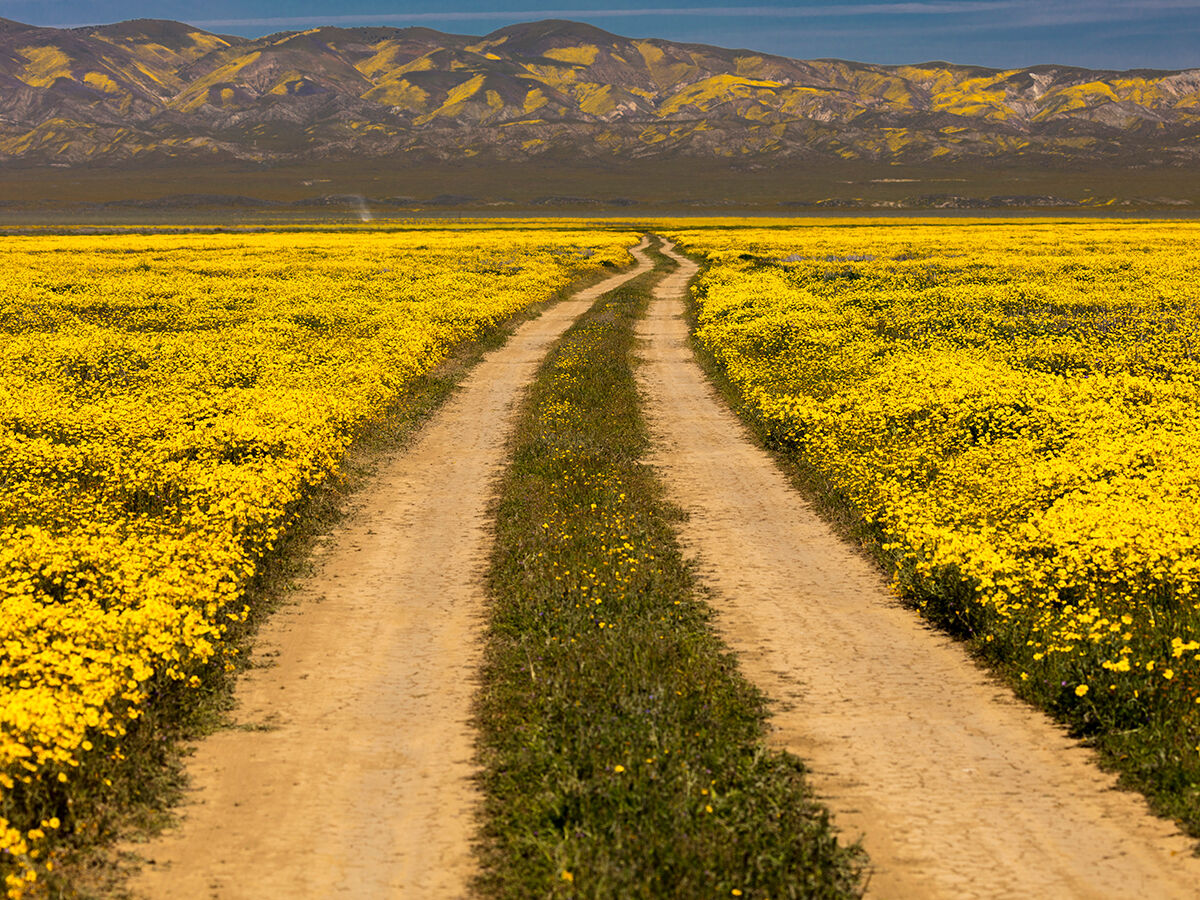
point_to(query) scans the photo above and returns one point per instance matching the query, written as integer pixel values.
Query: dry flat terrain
(350, 771)
(956, 789)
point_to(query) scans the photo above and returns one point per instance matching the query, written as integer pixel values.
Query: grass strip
(623, 754)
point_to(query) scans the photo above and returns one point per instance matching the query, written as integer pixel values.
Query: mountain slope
(151, 89)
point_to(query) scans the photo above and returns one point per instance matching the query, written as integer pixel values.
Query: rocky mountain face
(157, 90)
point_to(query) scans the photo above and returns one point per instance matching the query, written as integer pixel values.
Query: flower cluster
(1015, 408)
(166, 401)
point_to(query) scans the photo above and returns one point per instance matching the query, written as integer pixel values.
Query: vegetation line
(623, 755)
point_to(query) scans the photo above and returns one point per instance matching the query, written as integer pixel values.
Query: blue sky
(1000, 33)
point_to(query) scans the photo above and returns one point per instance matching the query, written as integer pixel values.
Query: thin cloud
(1030, 12)
(783, 12)
(983, 14)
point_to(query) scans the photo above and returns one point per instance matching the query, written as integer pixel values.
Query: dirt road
(957, 790)
(351, 772)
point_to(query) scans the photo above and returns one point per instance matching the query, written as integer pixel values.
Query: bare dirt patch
(956, 789)
(349, 769)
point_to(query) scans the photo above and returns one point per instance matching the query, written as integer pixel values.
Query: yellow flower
(166, 433)
(1015, 408)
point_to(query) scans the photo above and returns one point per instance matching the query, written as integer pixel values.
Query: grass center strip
(623, 755)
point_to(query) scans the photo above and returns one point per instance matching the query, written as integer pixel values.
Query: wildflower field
(1007, 411)
(166, 403)
(1013, 411)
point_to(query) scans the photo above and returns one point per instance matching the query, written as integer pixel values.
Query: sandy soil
(349, 773)
(956, 789)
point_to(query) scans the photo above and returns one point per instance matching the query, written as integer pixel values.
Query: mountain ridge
(155, 90)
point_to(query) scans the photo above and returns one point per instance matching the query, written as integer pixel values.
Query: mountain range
(152, 90)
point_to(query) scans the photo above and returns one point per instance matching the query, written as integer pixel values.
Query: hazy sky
(1096, 33)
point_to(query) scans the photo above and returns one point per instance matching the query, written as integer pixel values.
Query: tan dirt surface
(956, 789)
(362, 785)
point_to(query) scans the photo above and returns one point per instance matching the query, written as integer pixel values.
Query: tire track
(361, 784)
(956, 789)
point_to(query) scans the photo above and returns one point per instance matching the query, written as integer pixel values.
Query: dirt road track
(362, 786)
(957, 790)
